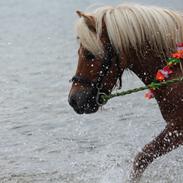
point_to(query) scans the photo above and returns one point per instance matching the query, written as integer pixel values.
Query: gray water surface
(42, 140)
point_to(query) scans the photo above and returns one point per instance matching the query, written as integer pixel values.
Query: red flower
(150, 94)
(167, 69)
(179, 44)
(160, 76)
(178, 54)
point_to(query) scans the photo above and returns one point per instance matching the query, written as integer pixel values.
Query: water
(42, 140)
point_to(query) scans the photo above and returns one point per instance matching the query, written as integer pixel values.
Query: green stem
(153, 85)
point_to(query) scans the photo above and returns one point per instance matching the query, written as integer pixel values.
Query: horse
(138, 38)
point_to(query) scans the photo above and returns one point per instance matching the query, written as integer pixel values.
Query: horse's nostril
(83, 102)
(72, 101)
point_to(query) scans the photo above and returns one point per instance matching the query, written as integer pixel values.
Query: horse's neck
(146, 67)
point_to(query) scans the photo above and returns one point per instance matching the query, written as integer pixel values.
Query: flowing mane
(131, 26)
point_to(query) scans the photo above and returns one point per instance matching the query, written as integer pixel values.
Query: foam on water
(115, 175)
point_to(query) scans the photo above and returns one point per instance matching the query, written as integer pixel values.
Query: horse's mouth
(86, 109)
(83, 104)
(87, 102)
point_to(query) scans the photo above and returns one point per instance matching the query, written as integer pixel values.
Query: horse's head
(97, 71)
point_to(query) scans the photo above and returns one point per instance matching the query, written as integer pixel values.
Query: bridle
(98, 83)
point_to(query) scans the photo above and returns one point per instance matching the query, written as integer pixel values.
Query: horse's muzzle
(83, 102)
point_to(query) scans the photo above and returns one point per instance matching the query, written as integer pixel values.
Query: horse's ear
(89, 20)
(79, 13)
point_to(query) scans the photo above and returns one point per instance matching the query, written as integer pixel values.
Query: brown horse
(138, 38)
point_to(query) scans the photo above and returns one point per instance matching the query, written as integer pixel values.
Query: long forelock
(88, 39)
(131, 26)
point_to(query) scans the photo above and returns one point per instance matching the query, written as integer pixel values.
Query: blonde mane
(132, 26)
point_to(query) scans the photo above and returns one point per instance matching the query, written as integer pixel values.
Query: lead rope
(152, 86)
(119, 72)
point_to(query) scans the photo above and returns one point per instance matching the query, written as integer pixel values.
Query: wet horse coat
(140, 39)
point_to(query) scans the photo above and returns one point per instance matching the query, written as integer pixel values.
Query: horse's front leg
(170, 138)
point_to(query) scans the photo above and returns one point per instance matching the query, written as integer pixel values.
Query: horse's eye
(89, 56)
